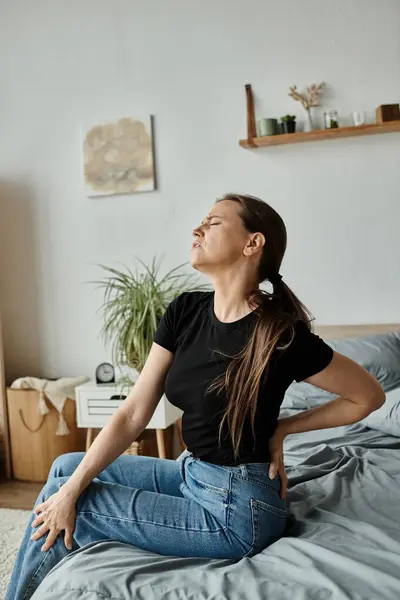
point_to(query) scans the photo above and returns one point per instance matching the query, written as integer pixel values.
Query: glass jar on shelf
(331, 119)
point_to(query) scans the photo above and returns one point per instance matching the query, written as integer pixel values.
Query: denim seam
(256, 481)
(254, 532)
(229, 503)
(208, 486)
(36, 572)
(88, 512)
(269, 507)
(256, 540)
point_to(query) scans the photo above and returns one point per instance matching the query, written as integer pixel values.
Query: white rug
(12, 527)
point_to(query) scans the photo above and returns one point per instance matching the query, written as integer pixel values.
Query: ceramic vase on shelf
(308, 126)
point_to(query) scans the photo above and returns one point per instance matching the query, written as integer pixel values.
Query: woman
(225, 358)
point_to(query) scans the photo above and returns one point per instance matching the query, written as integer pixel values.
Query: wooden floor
(22, 495)
(19, 494)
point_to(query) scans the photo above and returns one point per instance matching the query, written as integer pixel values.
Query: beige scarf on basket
(57, 393)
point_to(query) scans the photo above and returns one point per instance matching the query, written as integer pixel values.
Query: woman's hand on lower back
(56, 514)
(277, 464)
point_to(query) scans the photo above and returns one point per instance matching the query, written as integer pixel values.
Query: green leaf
(133, 304)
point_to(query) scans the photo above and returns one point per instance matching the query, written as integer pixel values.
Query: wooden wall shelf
(312, 136)
(320, 134)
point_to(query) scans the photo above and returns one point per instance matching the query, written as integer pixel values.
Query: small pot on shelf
(267, 127)
(288, 124)
(331, 119)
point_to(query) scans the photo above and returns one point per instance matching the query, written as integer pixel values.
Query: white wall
(186, 62)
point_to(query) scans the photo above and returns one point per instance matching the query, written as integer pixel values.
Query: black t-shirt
(190, 330)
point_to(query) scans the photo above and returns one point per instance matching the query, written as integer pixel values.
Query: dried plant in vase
(309, 99)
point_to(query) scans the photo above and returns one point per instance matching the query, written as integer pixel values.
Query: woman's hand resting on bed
(276, 455)
(57, 513)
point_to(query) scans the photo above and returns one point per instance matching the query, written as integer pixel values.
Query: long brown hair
(277, 312)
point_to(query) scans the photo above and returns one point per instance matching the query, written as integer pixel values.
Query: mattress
(342, 543)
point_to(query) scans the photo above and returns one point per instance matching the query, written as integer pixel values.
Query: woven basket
(137, 448)
(34, 443)
(145, 445)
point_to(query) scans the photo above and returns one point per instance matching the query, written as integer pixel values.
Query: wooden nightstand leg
(179, 427)
(89, 438)
(161, 443)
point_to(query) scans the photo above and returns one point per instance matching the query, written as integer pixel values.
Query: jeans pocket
(268, 523)
(204, 483)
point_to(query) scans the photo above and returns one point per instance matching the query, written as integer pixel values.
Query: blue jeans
(184, 507)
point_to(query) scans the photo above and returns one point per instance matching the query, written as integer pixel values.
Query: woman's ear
(254, 244)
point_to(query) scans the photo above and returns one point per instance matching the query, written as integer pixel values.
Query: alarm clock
(105, 373)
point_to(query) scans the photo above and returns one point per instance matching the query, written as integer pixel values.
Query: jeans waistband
(246, 470)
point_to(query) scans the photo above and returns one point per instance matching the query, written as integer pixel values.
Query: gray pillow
(387, 417)
(379, 354)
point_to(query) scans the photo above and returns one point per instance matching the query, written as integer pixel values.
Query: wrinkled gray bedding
(344, 491)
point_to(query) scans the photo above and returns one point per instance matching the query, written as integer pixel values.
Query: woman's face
(221, 240)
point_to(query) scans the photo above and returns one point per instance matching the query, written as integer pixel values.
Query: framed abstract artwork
(118, 157)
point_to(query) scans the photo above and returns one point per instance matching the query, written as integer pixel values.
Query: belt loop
(243, 470)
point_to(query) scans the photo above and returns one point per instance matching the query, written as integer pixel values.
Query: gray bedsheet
(344, 541)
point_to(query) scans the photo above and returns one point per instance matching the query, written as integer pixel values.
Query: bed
(343, 537)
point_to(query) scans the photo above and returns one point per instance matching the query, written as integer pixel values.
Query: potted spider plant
(134, 303)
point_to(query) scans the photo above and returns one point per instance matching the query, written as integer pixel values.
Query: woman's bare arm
(126, 424)
(359, 395)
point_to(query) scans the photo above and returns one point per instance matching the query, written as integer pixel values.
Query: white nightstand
(94, 408)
